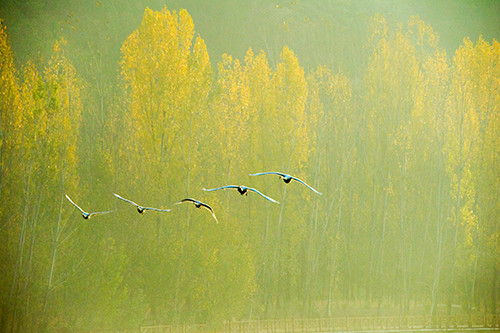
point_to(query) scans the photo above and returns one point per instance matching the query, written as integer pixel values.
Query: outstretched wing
(268, 173)
(265, 196)
(185, 200)
(74, 204)
(100, 213)
(156, 209)
(220, 188)
(127, 200)
(284, 175)
(210, 209)
(300, 181)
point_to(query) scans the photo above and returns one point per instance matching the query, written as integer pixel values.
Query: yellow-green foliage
(405, 153)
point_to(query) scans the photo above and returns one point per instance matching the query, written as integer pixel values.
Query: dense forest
(399, 134)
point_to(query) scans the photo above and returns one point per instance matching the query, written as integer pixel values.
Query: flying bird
(85, 214)
(243, 190)
(198, 204)
(141, 209)
(286, 178)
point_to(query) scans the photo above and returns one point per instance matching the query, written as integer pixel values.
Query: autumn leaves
(405, 152)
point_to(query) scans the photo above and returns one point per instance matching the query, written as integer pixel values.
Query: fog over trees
(390, 110)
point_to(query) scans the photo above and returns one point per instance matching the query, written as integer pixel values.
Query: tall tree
(471, 113)
(10, 121)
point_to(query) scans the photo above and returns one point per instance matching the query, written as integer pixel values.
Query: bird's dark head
(140, 210)
(286, 179)
(197, 204)
(86, 216)
(242, 190)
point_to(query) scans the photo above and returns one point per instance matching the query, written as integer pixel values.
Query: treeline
(407, 159)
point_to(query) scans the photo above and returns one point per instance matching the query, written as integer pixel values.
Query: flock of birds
(243, 190)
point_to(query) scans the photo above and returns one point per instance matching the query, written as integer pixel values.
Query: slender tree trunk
(382, 237)
(227, 192)
(494, 290)
(457, 204)
(312, 249)
(18, 271)
(33, 226)
(439, 237)
(55, 240)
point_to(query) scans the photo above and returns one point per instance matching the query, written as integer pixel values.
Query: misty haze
(249, 166)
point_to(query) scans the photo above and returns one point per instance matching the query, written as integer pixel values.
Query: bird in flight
(141, 209)
(198, 204)
(85, 214)
(286, 178)
(243, 190)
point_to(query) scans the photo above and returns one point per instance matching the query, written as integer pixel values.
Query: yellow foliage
(290, 94)
(168, 80)
(472, 110)
(10, 111)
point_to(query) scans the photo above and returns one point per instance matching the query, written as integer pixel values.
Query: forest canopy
(404, 148)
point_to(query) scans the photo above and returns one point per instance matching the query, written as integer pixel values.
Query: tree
(10, 120)
(44, 167)
(433, 184)
(289, 145)
(471, 113)
(332, 129)
(392, 97)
